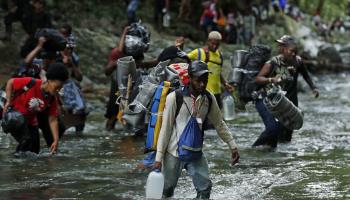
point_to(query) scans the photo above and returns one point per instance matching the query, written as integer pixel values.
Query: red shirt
(114, 55)
(33, 101)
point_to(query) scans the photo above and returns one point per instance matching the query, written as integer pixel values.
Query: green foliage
(330, 9)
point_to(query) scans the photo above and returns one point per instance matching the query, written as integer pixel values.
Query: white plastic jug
(228, 106)
(155, 185)
(166, 20)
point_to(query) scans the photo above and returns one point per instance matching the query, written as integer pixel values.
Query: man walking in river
(191, 104)
(282, 70)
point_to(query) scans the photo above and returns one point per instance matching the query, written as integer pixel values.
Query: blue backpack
(191, 140)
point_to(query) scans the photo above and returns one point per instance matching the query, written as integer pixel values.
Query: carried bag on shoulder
(191, 142)
(13, 121)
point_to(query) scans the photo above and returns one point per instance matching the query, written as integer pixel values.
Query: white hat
(215, 35)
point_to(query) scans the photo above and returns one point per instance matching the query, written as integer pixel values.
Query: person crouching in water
(40, 97)
(282, 70)
(197, 105)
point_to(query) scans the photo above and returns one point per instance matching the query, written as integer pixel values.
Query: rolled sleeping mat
(157, 74)
(285, 111)
(171, 74)
(146, 92)
(239, 58)
(134, 116)
(235, 75)
(125, 66)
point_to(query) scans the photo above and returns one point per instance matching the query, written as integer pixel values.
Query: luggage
(156, 117)
(284, 110)
(54, 39)
(256, 58)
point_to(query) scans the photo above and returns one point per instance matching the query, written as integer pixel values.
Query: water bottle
(155, 185)
(228, 107)
(166, 20)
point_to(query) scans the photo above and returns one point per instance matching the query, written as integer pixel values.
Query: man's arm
(111, 66)
(30, 57)
(221, 128)
(167, 126)
(193, 55)
(9, 89)
(227, 86)
(263, 79)
(122, 39)
(308, 80)
(53, 122)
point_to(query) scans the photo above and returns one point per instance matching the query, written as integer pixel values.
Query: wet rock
(344, 53)
(328, 54)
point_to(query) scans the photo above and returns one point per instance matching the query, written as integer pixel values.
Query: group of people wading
(189, 88)
(193, 106)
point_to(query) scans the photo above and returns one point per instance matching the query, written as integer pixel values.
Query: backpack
(157, 107)
(55, 40)
(257, 56)
(191, 140)
(155, 121)
(207, 56)
(13, 119)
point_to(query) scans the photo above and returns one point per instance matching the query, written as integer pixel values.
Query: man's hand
(229, 87)
(234, 156)
(315, 92)
(53, 147)
(275, 80)
(41, 41)
(157, 165)
(6, 107)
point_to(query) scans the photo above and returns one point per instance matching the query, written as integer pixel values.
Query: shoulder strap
(25, 88)
(206, 52)
(221, 58)
(199, 54)
(179, 100)
(206, 93)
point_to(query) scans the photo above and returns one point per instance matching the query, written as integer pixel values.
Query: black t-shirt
(289, 79)
(171, 53)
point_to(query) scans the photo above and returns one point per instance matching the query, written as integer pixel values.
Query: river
(315, 165)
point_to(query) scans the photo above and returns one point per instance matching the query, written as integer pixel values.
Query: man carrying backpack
(282, 70)
(211, 55)
(31, 96)
(185, 111)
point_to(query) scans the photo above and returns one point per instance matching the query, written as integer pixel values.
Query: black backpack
(55, 40)
(257, 56)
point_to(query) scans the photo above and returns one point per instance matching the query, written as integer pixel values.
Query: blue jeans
(198, 170)
(272, 127)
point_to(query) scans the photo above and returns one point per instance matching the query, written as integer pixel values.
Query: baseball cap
(286, 40)
(198, 68)
(215, 35)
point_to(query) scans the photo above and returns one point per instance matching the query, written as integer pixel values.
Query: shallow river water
(315, 165)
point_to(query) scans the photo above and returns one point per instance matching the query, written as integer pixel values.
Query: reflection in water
(315, 165)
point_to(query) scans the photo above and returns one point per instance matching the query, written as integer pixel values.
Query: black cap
(198, 68)
(286, 40)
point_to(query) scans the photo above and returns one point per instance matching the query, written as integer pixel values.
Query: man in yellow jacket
(211, 55)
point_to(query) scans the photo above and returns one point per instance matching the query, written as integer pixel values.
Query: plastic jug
(155, 185)
(166, 20)
(228, 106)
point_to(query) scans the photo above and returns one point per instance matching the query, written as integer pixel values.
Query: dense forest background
(98, 24)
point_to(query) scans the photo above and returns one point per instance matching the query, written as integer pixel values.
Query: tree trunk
(320, 6)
